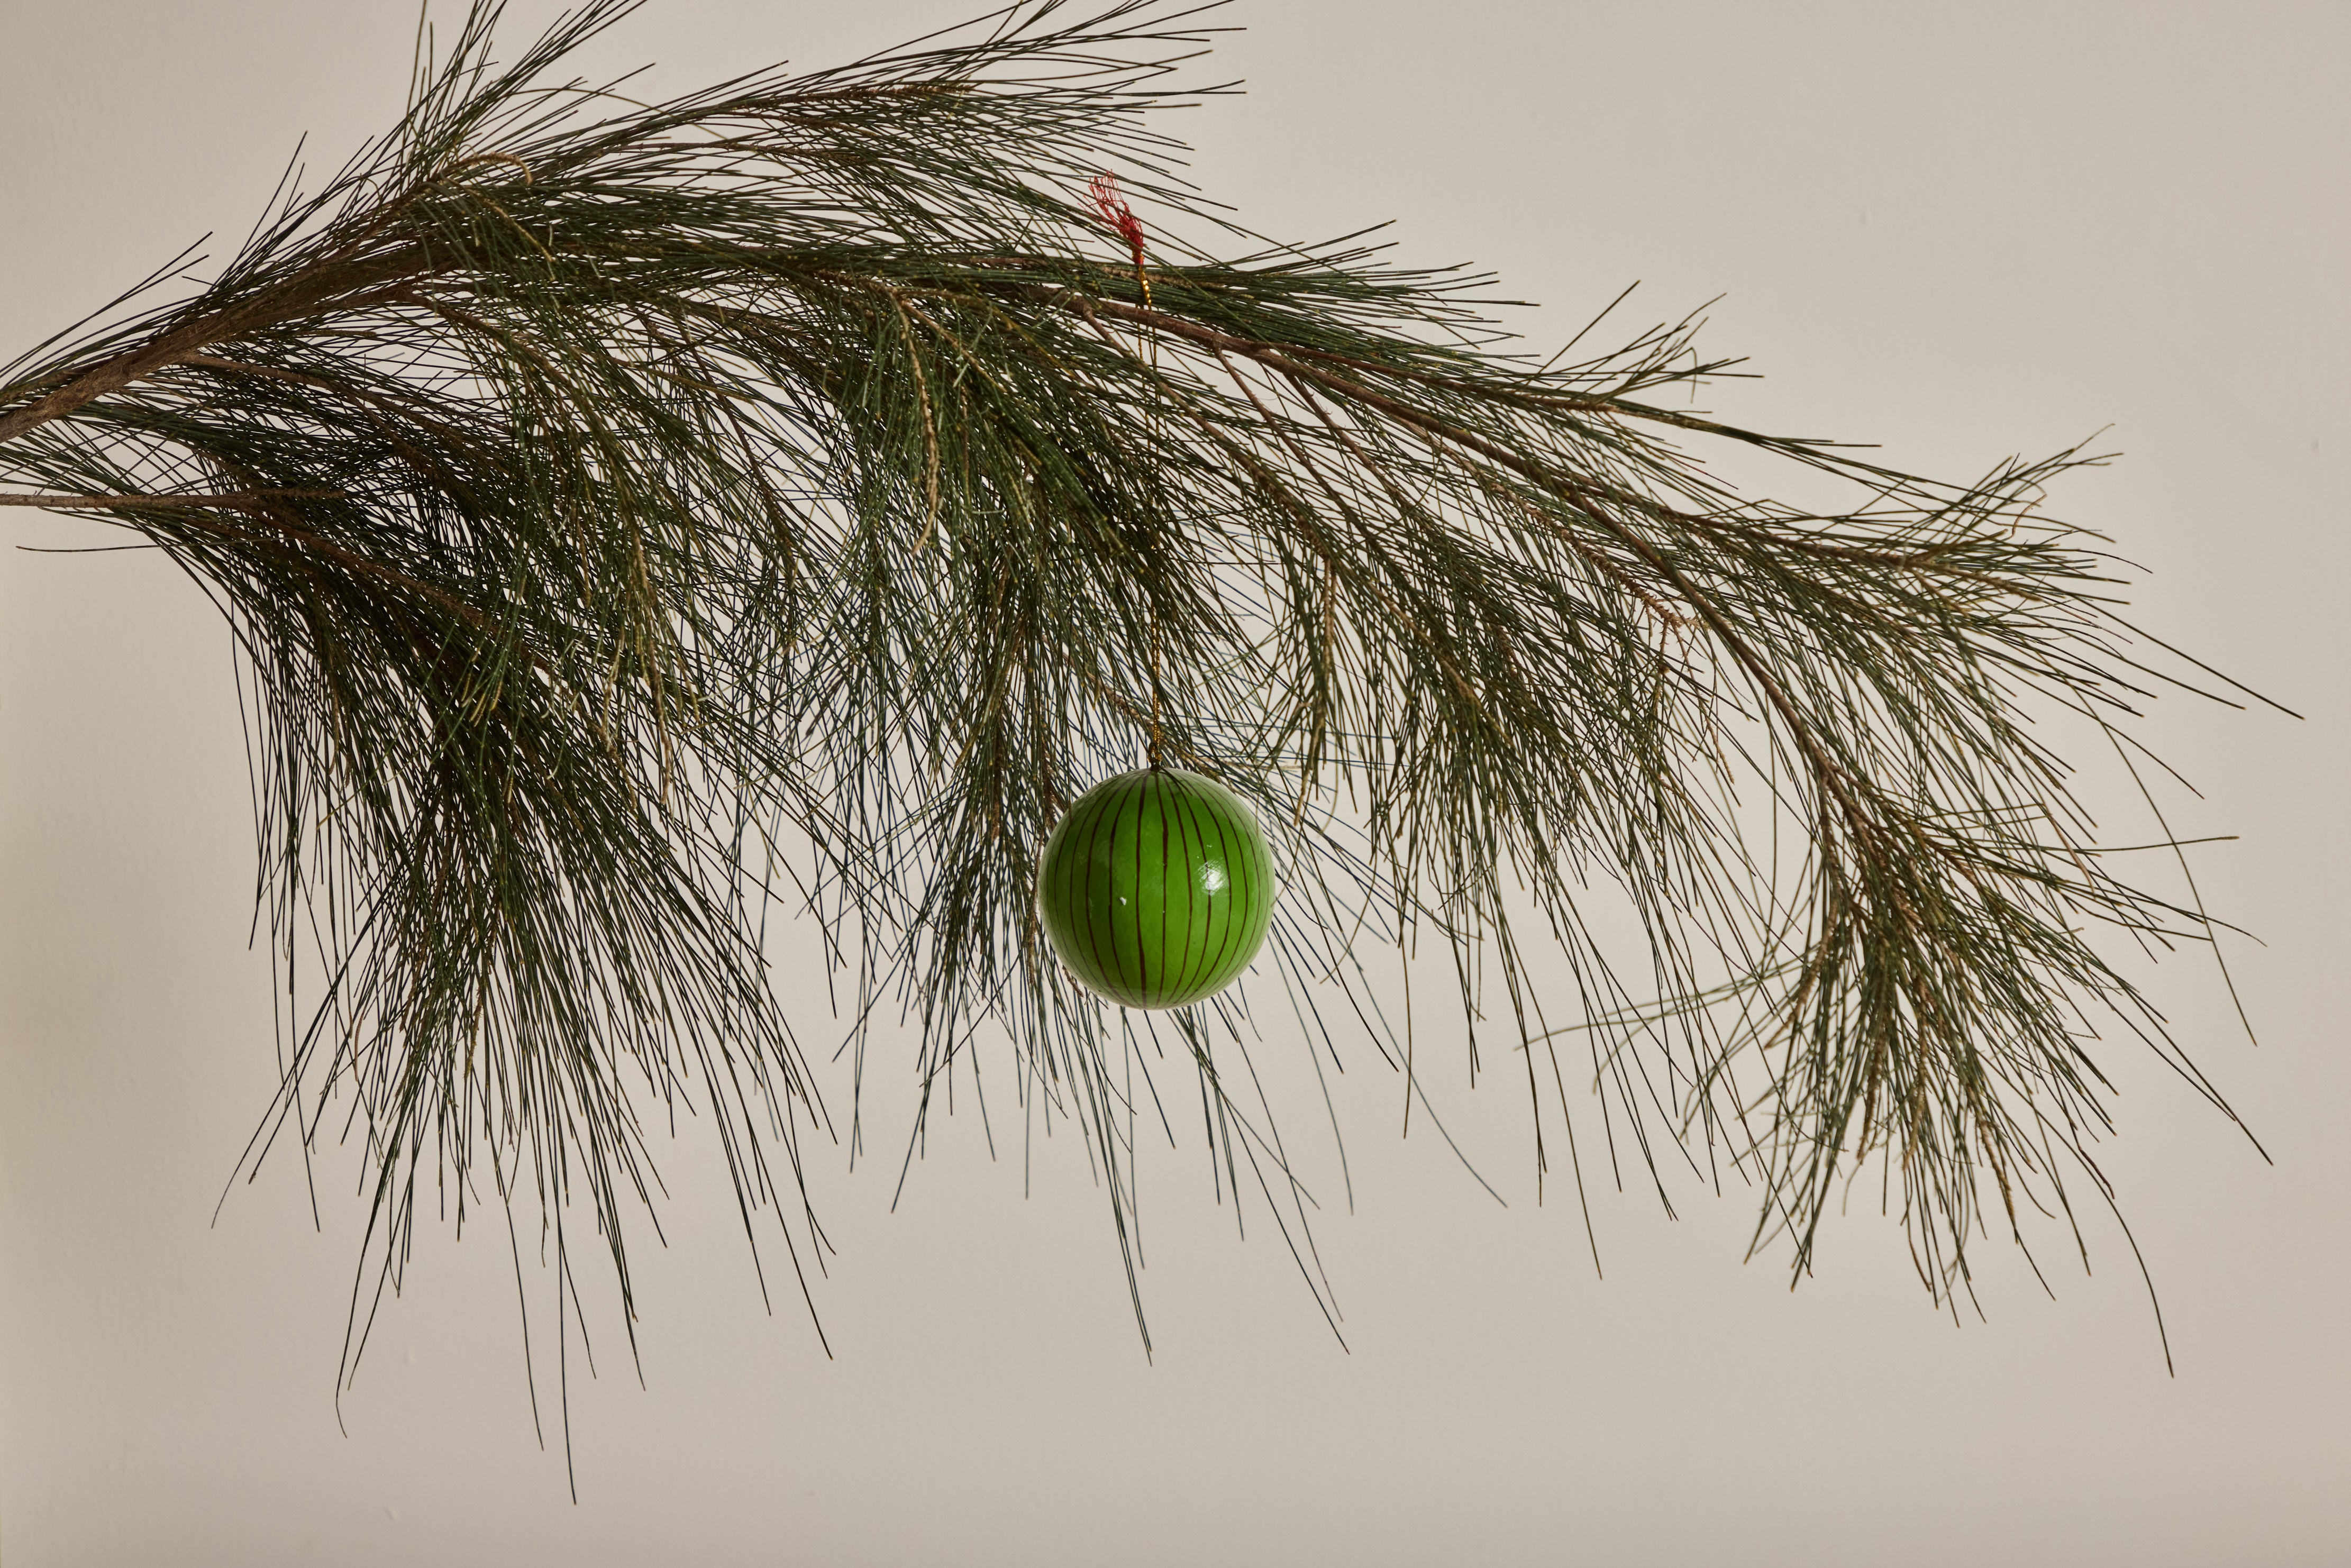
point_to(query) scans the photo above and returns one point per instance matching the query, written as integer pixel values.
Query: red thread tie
(1118, 214)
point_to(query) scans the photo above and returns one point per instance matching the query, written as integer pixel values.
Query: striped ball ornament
(1156, 888)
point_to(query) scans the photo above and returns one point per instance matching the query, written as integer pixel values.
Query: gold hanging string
(1120, 216)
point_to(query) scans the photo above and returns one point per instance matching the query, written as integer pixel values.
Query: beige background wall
(1960, 231)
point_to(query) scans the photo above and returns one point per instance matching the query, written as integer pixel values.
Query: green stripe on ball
(1156, 888)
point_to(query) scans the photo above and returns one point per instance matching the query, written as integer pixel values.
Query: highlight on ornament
(1156, 888)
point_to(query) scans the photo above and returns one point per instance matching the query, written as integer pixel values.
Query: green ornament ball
(1156, 888)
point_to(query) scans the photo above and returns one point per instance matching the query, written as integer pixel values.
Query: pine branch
(624, 512)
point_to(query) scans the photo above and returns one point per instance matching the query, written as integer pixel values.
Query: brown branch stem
(233, 499)
(356, 288)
